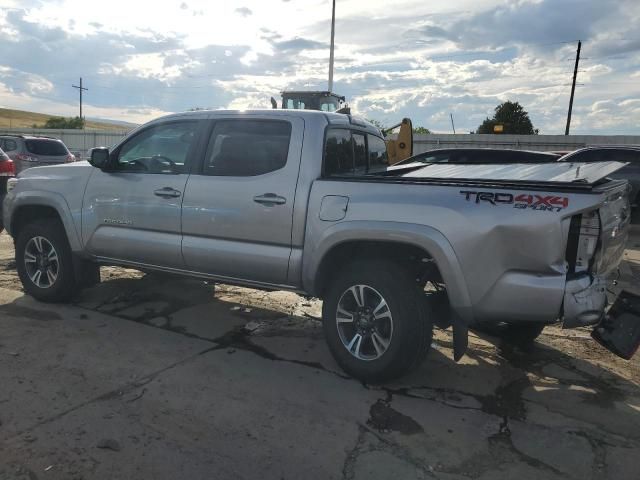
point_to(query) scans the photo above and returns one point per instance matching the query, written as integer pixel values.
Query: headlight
(11, 184)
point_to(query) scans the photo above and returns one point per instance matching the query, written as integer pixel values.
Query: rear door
(132, 213)
(238, 207)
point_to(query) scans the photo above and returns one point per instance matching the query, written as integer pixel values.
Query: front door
(131, 213)
(238, 208)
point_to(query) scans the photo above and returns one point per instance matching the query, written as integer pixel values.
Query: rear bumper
(585, 299)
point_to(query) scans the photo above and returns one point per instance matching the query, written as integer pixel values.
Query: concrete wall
(77, 141)
(423, 142)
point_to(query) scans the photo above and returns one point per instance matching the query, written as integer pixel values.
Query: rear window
(8, 145)
(46, 147)
(354, 153)
(378, 159)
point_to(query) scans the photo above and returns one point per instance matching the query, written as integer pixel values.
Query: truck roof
(332, 118)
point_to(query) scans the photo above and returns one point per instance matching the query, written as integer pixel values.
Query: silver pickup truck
(304, 201)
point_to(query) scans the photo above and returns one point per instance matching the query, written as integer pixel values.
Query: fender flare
(422, 236)
(51, 200)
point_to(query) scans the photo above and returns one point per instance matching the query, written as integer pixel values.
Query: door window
(160, 149)
(246, 148)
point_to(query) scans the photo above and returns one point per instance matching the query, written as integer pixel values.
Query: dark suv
(631, 172)
(34, 151)
(481, 156)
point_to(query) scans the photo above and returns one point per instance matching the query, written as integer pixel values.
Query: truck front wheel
(375, 320)
(44, 262)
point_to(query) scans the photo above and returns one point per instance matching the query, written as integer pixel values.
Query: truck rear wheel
(44, 262)
(375, 321)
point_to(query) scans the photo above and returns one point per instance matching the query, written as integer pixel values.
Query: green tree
(64, 123)
(513, 118)
(421, 130)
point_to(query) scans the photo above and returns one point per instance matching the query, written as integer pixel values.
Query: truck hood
(76, 169)
(563, 173)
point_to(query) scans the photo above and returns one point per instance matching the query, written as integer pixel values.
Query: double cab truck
(305, 201)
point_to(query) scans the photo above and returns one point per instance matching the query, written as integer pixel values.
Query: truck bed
(581, 177)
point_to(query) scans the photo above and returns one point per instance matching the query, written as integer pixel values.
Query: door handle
(270, 199)
(167, 192)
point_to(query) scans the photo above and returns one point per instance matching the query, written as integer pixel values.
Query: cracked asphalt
(148, 376)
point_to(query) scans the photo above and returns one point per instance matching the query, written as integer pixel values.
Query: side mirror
(99, 157)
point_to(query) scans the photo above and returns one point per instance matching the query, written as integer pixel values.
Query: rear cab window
(351, 152)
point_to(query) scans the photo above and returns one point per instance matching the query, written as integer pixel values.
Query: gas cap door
(333, 208)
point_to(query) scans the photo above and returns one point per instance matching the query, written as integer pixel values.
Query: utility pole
(452, 125)
(333, 32)
(573, 88)
(80, 88)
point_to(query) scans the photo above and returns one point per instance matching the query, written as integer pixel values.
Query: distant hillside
(21, 119)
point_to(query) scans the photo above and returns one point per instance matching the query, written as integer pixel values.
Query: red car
(7, 170)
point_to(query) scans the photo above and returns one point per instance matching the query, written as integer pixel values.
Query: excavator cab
(305, 100)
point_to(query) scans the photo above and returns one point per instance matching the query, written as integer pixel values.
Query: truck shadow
(567, 380)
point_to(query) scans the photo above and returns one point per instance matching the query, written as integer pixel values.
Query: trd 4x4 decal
(551, 203)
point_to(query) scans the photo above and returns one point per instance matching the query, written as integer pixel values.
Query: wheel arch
(349, 240)
(28, 208)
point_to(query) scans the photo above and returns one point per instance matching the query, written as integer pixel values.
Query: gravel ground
(149, 376)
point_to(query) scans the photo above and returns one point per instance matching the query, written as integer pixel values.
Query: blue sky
(419, 59)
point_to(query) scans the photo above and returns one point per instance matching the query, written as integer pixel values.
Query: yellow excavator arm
(402, 147)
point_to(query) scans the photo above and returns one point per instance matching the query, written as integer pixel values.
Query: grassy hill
(21, 119)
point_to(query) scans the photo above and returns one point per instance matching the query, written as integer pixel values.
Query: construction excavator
(398, 148)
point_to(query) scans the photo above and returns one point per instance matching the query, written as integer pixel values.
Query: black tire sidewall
(412, 329)
(63, 288)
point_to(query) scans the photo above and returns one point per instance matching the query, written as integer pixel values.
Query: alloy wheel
(41, 262)
(364, 322)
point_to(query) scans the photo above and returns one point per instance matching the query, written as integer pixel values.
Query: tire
(382, 353)
(48, 234)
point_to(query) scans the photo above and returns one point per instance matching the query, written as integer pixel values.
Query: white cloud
(414, 58)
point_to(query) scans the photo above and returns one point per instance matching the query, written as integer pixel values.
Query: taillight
(584, 235)
(7, 168)
(23, 157)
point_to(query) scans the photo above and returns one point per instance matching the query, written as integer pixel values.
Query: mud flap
(87, 274)
(460, 339)
(619, 331)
